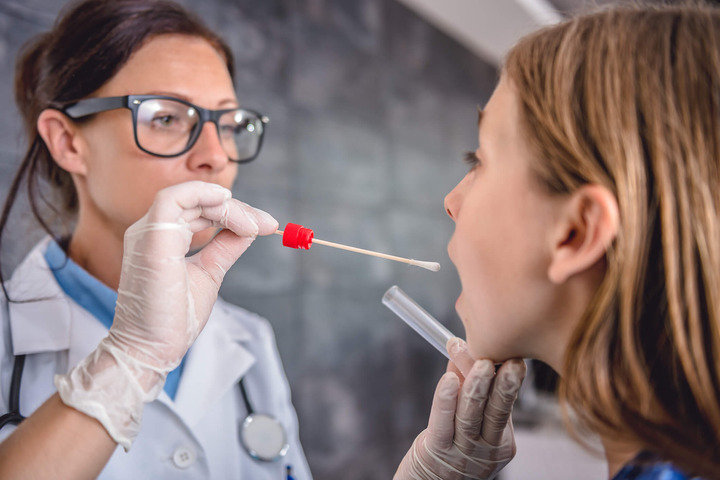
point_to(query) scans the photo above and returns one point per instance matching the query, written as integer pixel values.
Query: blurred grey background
(372, 104)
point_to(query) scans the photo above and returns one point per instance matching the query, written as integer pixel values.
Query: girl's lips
(457, 304)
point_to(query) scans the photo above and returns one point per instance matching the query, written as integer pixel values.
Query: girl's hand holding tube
(469, 434)
(164, 301)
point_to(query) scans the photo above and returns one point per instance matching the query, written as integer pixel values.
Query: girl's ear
(586, 228)
(63, 140)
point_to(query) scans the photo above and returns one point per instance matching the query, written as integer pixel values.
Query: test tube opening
(417, 318)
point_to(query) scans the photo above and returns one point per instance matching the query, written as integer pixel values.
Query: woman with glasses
(132, 119)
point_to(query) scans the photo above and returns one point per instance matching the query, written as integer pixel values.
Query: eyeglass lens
(166, 127)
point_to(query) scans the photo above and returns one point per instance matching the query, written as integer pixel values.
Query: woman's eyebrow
(224, 102)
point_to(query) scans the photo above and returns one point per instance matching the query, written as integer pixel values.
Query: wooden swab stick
(303, 237)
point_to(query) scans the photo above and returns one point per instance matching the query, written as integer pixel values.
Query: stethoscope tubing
(13, 417)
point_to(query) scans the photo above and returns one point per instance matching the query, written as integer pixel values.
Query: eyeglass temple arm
(90, 106)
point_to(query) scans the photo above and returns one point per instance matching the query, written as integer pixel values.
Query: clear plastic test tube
(414, 315)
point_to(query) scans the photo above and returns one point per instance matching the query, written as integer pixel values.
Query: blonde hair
(629, 98)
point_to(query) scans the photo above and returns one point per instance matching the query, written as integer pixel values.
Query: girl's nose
(453, 200)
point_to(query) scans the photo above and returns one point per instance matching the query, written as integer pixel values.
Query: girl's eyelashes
(471, 159)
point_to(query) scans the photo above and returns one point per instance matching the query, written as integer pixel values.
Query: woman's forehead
(185, 66)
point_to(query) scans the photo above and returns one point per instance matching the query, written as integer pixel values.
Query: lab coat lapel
(202, 382)
(43, 318)
(40, 326)
(39, 313)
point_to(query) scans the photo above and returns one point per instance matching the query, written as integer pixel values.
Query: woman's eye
(165, 120)
(471, 159)
(228, 130)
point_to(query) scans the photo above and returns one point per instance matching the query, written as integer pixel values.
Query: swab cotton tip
(432, 266)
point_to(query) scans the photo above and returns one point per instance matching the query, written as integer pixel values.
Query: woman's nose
(208, 152)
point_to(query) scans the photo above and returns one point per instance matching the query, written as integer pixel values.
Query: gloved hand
(164, 301)
(469, 434)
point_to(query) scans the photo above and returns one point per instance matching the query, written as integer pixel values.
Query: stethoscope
(263, 436)
(13, 417)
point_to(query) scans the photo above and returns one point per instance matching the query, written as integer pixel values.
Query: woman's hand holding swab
(164, 301)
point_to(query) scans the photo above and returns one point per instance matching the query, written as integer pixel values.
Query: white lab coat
(193, 437)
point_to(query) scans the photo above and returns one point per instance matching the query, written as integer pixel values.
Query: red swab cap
(297, 236)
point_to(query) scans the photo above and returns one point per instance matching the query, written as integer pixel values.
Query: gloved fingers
(164, 232)
(451, 367)
(199, 224)
(503, 394)
(184, 202)
(420, 463)
(460, 356)
(472, 401)
(230, 213)
(241, 218)
(441, 425)
(235, 215)
(216, 258)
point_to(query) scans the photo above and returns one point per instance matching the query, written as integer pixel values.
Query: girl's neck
(618, 454)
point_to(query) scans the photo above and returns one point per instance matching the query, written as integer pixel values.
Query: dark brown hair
(89, 43)
(629, 98)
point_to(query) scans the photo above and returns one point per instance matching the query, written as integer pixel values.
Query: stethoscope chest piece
(263, 437)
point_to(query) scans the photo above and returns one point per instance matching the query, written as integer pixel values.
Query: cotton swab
(297, 236)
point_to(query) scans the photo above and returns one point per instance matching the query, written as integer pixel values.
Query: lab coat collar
(40, 313)
(215, 364)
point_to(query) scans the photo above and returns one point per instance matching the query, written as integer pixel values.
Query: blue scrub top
(95, 297)
(646, 466)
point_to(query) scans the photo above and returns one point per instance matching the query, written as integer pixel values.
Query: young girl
(587, 232)
(133, 123)
(122, 100)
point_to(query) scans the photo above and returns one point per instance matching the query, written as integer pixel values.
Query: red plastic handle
(297, 236)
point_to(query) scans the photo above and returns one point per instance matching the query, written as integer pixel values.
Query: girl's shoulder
(647, 466)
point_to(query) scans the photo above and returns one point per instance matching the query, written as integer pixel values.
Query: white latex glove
(164, 301)
(469, 434)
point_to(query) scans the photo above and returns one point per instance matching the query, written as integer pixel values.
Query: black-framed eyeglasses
(167, 126)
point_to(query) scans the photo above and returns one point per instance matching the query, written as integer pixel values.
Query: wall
(371, 109)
